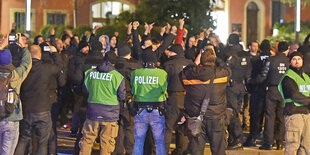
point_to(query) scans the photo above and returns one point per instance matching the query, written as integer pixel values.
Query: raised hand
(181, 23)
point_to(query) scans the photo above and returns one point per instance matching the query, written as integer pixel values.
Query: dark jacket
(111, 113)
(35, 89)
(227, 51)
(196, 76)
(240, 65)
(290, 90)
(125, 67)
(279, 64)
(137, 50)
(173, 67)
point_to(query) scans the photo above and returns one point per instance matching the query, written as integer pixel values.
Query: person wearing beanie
(149, 88)
(279, 64)
(305, 51)
(78, 64)
(197, 83)
(125, 65)
(295, 93)
(9, 130)
(176, 95)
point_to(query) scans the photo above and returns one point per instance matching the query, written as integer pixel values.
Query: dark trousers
(257, 107)
(235, 96)
(42, 124)
(173, 115)
(52, 142)
(274, 118)
(125, 138)
(214, 129)
(78, 118)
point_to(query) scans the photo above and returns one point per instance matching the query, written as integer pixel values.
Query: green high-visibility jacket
(303, 85)
(102, 87)
(149, 84)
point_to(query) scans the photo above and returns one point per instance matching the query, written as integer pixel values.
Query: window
(56, 19)
(278, 10)
(103, 11)
(18, 16)
(19, 19)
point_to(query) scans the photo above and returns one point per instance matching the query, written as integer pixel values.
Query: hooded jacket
(19, 74)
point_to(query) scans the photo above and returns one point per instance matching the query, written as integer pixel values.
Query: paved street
(66, 144)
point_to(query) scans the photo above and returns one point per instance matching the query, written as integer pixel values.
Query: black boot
(265, 147)
(250, 142)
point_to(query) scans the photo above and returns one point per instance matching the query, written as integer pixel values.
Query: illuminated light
(275, 32)
(28, 15)
(297, 15)
(221, 25)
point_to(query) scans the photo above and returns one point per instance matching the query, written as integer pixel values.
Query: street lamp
(297, 23)
(28, 17)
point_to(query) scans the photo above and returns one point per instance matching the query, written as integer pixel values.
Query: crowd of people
(132, 96)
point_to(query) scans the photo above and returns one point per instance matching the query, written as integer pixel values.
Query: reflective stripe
(194, 82)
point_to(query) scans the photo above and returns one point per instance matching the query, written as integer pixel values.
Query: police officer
(274, 110)
(240, 65)
(176, 94)
(149, 87)
(125, 65)
(105, 87)
(258, 93)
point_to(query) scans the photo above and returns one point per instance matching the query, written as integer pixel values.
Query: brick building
(60, 12)
(252, 18)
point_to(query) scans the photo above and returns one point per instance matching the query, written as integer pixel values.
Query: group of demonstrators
(130, 97)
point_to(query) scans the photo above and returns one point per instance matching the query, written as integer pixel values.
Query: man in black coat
(125, 65)
(176, 95)
(274, 102)
(36, 100)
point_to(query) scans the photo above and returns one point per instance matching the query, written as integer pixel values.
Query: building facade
(60, 12)
(252, 19)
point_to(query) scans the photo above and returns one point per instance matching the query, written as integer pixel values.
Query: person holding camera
(36, 100)
(149, 87)
(9, 126)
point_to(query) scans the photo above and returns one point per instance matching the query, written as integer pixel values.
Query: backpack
(6, 97)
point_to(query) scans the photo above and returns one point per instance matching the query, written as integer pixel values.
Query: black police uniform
(175, 102)
(274, 103)
(257, 88)
(125, 138)
(240, 65)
